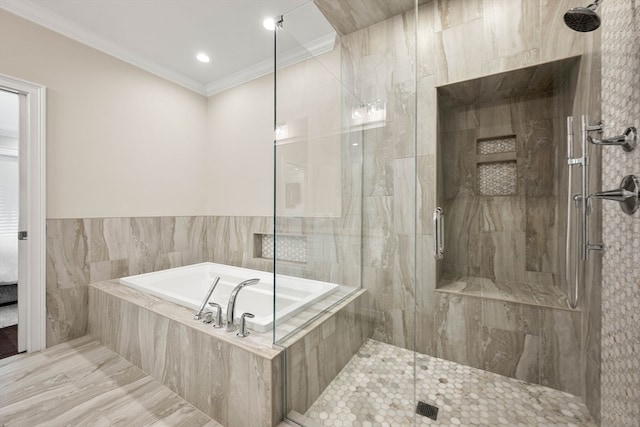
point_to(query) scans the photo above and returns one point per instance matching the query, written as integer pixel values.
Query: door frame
(33, 334)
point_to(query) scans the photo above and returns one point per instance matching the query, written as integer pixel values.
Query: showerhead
(583, 19)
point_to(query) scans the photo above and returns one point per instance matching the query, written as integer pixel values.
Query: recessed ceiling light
(269, 24)
(203, 57)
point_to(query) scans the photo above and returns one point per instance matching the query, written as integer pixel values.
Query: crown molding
(41, 16)
(292, 56)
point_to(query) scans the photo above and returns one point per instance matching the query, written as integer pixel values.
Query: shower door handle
(438, 232)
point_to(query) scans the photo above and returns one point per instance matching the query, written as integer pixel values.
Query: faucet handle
(208, 317)
(217, 321)
(243, 332)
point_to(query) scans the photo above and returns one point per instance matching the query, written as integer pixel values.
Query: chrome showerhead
(583, 19)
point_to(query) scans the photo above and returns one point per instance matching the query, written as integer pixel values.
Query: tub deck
(214, 370)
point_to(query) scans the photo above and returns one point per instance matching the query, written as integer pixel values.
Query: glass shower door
(345, 220)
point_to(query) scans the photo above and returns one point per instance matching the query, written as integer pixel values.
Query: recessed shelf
(497, 179)
(289, 248)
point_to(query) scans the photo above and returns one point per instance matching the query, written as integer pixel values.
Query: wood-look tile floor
(82, 383)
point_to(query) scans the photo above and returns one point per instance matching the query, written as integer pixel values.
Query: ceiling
(164, 36)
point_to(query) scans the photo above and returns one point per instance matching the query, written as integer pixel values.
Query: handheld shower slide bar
(581, 204)
(573, 295)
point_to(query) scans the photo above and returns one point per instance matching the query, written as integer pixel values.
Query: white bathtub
(188, 286)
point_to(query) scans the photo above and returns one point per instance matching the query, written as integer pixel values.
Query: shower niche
(502, 183)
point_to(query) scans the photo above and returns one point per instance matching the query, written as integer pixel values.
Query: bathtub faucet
(200, 312)
(231, 306)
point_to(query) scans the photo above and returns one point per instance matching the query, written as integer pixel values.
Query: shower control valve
(208, 317)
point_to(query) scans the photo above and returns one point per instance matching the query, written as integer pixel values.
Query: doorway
(9, 215)
(22, 217)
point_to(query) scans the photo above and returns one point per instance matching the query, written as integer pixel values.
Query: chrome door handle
(438, 231)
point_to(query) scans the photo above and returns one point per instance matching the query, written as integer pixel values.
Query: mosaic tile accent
(290, 248)
(505, 144)
(375, 389)
(497, 179)
(621, 233)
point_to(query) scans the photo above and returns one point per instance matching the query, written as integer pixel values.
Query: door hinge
(22, 235)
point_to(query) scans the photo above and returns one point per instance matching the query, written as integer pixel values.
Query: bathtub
(188, 286)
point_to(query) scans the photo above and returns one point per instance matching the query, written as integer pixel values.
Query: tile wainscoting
(83, 251)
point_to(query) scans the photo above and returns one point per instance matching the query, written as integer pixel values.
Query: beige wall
(120, 141)
(240, 123)
(240, 157)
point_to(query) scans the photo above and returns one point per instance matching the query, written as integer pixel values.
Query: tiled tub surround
(235, 381)
(319, 351)
(83, 251)
(217, 372)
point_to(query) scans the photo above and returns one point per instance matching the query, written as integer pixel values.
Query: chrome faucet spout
(231, 306)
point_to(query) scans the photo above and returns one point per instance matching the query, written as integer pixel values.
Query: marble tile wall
(377, 65)
(537, 344)
(83, 251)
(458, 40)
(621, 270)
(503, 237)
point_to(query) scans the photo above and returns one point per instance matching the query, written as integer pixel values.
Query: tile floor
(82, 383)
(375, 389)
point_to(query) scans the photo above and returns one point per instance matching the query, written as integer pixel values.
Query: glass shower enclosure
(395, 122)
(345, 208)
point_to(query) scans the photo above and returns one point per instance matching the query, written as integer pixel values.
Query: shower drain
(427, 410)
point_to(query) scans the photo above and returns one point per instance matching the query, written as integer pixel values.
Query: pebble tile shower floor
(375, 389)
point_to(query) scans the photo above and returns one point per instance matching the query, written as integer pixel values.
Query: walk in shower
(421, 164)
